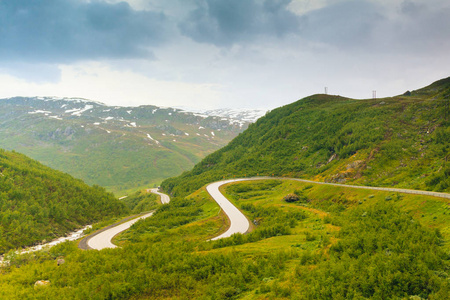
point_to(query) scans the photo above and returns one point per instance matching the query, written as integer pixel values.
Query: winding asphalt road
(164, 198)
(238, 222)
(103, 239)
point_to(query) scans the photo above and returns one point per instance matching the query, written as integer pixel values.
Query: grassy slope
(38, 203)
(167, 256)
(401, 141)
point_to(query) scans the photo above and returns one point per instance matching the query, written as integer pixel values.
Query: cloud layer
(63, 31)
(253, 53)
(224, 23)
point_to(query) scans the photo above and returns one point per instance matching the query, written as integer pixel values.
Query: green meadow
(334, 242)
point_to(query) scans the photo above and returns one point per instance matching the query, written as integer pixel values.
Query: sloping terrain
(307, 240)
(119, 148)
(402, 141)
(334, 242)
(38, 203)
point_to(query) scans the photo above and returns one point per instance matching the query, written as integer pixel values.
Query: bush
(291, 198)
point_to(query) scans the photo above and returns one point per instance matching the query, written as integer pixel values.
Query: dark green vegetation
(381, 253)
(370, 245)
(402, 141)
(38, 203)
(122, 149)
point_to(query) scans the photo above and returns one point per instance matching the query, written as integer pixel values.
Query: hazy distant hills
(401, 141)
(120, 148)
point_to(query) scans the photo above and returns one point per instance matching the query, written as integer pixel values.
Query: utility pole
(326, 90)
(374, 94)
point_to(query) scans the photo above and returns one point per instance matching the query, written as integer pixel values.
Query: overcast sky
(220, 53)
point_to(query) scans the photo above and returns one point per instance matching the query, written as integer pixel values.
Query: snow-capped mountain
(117, 147)
(242, 115)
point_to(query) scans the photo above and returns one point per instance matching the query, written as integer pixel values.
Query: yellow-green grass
(208, 224)
(430, 211)
(433, 212)
(310, 237)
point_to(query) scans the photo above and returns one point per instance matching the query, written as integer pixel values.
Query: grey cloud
(345, 24)
(361, 25)
(70, 30)
(225, 23)
(424, 27)
(410, 7)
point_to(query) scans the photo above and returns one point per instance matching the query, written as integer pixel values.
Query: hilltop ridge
(398, 141)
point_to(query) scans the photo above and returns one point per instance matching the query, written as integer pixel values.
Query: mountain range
(120, 148)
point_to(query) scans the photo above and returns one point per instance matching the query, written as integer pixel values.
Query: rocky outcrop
(353, 170)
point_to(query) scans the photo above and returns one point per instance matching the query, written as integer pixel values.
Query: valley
(224, 150)
(328, 234)
(325, 198)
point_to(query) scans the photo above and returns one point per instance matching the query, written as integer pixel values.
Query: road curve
(238, 222)
(103, 239)
(164, 198)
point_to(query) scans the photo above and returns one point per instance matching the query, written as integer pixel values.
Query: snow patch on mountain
(79, 111)
(233, 115)
(69, 99)
(150, 137)
(39, 112)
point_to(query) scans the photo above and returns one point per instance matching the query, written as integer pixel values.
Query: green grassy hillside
(401, 141)
(38, 203)
(336, 243)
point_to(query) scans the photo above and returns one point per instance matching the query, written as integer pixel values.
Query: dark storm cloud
(351, 25)
(224, 23)
(70, 30)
